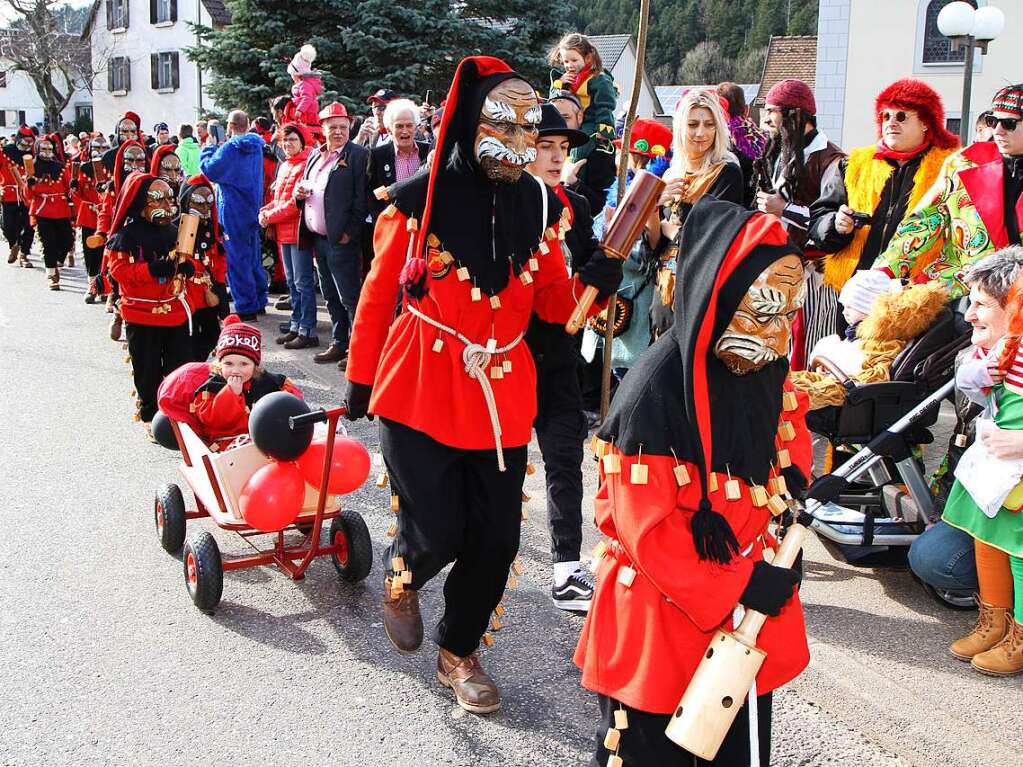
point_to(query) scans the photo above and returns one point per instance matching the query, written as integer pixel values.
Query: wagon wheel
(204, 573)
(169, 515)
(349, 533)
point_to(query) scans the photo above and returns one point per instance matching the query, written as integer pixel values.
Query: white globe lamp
(956, 19)
(988, 23)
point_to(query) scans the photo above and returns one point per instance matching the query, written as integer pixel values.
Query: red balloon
(349, 465)
(272, 498)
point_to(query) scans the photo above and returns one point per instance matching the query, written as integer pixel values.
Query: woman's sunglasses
(899, 117)
(1009, 123)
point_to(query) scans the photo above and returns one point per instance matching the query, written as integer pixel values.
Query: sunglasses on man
(1009, 123)
(899, 117)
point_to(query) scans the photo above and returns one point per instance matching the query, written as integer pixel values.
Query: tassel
(712, 535)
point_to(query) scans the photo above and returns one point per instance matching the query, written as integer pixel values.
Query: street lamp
(968, 27)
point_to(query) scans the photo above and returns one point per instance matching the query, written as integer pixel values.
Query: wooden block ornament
(614, 761)
(621, 719)
(395, 504)
(462, 274)
(397, 564)
(612, 463)
(784, 458)
(488, 640)
(626, 575)
(438, 344)
(495, 302)
(526, 278)
(758, 494)
(789, 401)
(681, 473)
(382, 479)
(787, 431)
(611, 739)
(777, 485)
(476, 294)
(777, 506)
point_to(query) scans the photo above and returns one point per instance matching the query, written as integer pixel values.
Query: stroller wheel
(169, 515)
(951, 599)
(204, 573)
(349, 533)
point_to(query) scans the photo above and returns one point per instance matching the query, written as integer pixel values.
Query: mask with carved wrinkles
(506, 135)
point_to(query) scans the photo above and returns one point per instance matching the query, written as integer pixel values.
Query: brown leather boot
(54, 279)
(474, 690)
(992, 624)
(403, 622)
(1006, 657)
(13, 255)
(116, 325)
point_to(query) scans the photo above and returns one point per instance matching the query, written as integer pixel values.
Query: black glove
(794, 480)
(602, 273)
(357, 400)
(161, 269)
(661, 317)
(186, 268)
(74, 183)
(769, 588)
(31, 181)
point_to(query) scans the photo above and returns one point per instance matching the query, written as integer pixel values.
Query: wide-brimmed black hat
(553, 124)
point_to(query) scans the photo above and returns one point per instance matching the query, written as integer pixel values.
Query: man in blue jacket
(236, 167)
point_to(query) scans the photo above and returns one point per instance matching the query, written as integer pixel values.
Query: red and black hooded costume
(209, 250)
(692, 550)
(12, 168)
(471, 260)
(49, 187)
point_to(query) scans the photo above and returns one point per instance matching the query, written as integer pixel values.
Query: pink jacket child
(305, 93)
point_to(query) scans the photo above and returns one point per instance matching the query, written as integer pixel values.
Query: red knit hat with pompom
(239, 338)
(922, 99)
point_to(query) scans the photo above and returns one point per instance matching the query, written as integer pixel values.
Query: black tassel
(713, 535)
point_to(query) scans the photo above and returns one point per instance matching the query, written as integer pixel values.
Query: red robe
(429, 390)
(641, 643)
(225, 414)
(146, 300)
(50, 198)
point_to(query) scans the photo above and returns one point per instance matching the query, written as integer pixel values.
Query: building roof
(610, 48)
(670, 95)
(788, 57)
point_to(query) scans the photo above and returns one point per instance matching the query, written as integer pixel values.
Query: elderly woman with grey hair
(943, 557)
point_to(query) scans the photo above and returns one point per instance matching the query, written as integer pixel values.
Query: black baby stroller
(871, 514)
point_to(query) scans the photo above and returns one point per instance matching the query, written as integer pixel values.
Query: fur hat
(922, 99)
(792, 94)
(302, 62)
(239, 338)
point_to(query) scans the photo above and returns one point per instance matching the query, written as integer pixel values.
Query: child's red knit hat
(239, 338)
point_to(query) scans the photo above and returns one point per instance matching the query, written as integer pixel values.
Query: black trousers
(561, 431)
(93, 256)
(206, 324)
(155, 351)
(455, 506)
(644, 742)
(17, 229)
(57, 237)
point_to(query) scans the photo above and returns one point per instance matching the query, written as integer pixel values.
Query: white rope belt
(476, 359)
(179, 297)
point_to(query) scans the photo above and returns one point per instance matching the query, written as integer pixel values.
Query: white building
(138, 53)
(864, 45)
(20, 103)
(618, 53)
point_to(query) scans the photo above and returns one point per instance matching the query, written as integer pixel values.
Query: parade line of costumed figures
(703, 451)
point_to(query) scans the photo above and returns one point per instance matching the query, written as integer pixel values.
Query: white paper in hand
(987, 479)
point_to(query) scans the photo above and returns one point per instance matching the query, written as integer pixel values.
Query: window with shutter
(3, 118)
(154, 15)
(154, 71)
(119, 74)
(117, 14)
(163, 11)
(175, 70)
(110, 14)
(937, 47)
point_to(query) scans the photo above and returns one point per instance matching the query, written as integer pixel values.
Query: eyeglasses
(1009, 123)
(899, 117)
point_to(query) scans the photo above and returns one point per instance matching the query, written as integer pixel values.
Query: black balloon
(163, 432)
(268, 425)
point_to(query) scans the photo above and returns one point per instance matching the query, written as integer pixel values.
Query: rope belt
(179, 297)
(476, 359)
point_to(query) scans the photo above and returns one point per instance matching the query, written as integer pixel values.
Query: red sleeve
(104, 213)
(556, 293)
(657, 534)
(128, 274)
(290, 388)
(279, 212)
(378, 297)
(220, 413)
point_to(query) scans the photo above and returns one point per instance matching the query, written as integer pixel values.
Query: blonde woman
(701, 164)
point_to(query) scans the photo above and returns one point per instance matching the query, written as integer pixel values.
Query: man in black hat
(591, 177)
(373, 131)
(560, 424)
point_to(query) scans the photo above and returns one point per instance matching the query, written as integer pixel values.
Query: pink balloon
(272, 498)
(349, 464)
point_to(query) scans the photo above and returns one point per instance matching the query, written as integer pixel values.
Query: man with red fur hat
(17, 227)
(885, 181)
(976, 209)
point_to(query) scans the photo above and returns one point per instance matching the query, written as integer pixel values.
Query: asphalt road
(105, 660)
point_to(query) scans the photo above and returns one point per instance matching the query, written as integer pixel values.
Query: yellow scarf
(865, 178)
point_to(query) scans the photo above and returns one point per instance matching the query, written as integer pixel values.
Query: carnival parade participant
(18, 229)
(693, 449)
(86, 183)
(166, 165)
(560, 424)
(474, 249)
(976, 208)
(791, 174)
(699, 166)
(236, 383)
(210, 297)
(236, 167)
(128, 128)
(49, 196)
(154, 302)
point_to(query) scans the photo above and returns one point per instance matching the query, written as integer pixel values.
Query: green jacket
(599, 97)
(188, 153)
(960, 220)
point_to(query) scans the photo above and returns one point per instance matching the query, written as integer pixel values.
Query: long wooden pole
(623, 166)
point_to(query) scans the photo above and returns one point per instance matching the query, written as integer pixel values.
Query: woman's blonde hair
(697, 99)
(575, 41)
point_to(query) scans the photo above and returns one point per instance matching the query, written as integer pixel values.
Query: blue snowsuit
(236, 167)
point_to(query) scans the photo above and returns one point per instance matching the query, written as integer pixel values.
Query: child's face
(237, 365)
(988, 318)
(852, 316)
(573, 61)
